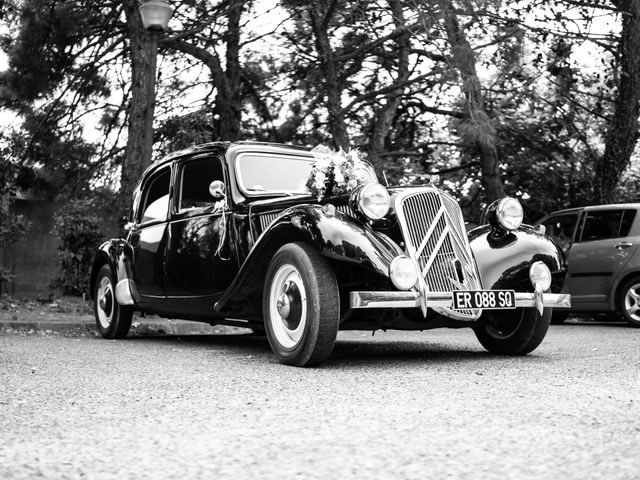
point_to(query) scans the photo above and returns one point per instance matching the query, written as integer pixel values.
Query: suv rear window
(604, 224)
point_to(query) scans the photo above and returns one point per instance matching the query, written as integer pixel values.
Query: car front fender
(504, 258)
(335, 235)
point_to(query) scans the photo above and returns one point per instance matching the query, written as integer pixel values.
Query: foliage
(79, 231)
(419, 87)
(12, 227)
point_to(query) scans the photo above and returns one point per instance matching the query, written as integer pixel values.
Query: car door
(148, 237)
(561, 227)
(199, 257)
(598, 254)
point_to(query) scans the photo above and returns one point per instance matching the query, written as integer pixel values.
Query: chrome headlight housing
(371, 200)
(505, 214)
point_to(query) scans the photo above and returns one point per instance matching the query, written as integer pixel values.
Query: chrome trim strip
(444, 299)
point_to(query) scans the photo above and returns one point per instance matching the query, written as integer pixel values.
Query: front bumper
(412, 299)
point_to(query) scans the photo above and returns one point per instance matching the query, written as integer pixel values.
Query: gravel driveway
(395, 405)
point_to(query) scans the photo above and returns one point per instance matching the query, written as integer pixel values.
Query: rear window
(605, 224)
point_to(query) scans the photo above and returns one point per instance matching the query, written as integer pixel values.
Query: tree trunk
(136, 156)
(318, 11)
(386, 113)
(228, 81)
(228, 103)
(622, 134)
(476, 128)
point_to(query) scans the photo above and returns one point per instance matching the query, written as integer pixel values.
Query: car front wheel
(112, 319)
(513, 332)
(301, 306)
(629, 301)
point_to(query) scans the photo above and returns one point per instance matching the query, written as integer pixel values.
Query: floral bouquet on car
(334, 172)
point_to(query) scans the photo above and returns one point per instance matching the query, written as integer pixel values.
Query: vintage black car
(229, 233)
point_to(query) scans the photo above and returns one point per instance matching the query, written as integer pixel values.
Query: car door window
(156, 197)
(561, 228)
(602, 225)
(627, 220)
(196, 176)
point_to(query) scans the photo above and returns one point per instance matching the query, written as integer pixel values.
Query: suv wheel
(628, 301)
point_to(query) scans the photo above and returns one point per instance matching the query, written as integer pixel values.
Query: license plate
(484, 299)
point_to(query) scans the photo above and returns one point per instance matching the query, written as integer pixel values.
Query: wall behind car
(33, 260)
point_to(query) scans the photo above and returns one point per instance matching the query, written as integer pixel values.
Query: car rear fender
(504, 258)
(118, 254)
(335, 235)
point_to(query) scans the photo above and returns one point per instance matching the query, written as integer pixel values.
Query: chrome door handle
(622, 245)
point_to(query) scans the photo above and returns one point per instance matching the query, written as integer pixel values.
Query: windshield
(263, 173)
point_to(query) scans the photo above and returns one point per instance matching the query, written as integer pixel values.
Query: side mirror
(217, 190)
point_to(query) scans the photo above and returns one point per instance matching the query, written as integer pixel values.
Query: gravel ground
(395, 405)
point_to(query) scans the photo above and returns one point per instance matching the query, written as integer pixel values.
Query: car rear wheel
(513, 332)
(301, 306)
(112, 319)
(629, 301)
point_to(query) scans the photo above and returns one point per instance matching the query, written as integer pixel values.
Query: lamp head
(155, 15)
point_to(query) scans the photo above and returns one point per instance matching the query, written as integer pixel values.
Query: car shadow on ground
(346, 353)
(595, 321)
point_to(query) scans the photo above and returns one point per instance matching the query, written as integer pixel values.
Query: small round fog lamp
(403, 272)
(540, 275)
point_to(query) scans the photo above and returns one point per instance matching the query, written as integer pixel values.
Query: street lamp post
(155, 18)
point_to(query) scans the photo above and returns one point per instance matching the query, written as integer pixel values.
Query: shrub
(12, 227)
(80, 232)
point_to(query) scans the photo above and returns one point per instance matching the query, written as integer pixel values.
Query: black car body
(226, 233)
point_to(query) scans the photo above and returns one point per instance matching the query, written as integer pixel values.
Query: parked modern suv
(601, 244)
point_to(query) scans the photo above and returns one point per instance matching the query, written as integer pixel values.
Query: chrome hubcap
(105, 300)
(287, 306)
(632, 302)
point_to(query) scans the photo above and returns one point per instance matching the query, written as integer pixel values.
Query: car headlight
(505, 214)
(540, 275)
(509, 213)
(371, 200)
(403, 272)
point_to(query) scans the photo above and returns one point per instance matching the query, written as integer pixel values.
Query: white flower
(320, 179)
(323, 164)
(338, 177)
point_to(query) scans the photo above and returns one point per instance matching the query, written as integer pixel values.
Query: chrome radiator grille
(436, 239)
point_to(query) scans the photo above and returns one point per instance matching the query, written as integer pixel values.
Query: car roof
(222, 147)
(595, 208)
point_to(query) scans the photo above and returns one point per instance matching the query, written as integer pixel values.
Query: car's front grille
(436, 239)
